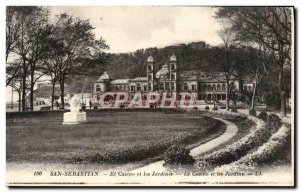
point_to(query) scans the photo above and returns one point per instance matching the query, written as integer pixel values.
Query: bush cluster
(234, 110)
(263, 116)
(267, 153)
(238, 149)
(215, 108)
(252, 112)
(177, 156)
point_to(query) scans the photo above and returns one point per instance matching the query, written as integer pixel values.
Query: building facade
(202, 85)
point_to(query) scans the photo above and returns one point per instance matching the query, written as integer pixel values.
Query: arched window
(223, 86)
(214, 87)
(138, 87)
(218, 87)
(209, 87)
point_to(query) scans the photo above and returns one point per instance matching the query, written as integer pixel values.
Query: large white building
(203, 85)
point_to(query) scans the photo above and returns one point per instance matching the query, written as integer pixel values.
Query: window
(214, 87)
(209, 87)
(150, 67)
(223, 86)
(138, 87)
(145, 87)
(194, 87)
(218, 87)
(132, 88)
(98, 89)
(162, 86)
(173, 76)
(167, 86)
(186, 87)
(172, 67)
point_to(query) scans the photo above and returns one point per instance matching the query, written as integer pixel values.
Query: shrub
(207, 108)
(215, 108)
(233, 110)
(176, 156)
(236, 150)
(252, 112)
(272, 150)
(263, 116)
(274, 121)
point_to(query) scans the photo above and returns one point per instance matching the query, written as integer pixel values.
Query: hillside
(130, 65)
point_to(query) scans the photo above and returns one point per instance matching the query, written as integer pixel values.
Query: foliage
(272, 150)
(274, 121)
(238, 149)
(177, 156)
(263, 116)
(252, 112)
(233, 109)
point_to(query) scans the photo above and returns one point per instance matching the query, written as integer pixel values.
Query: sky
(127, 29)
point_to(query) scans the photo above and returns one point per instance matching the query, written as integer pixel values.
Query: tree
(31, 43)
(231, 61)
(52, 63)
(270, 26)
(79, 42)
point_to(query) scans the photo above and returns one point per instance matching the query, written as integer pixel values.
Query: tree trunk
(31, 90)
(24, 87)
(19, 100)
(253, 97)
(227, 98)
(52, 95)
(62, 92)
(282, 95)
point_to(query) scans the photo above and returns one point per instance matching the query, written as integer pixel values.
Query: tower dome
(150, 59)
(173, 58)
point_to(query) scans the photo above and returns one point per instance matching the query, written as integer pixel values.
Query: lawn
(43, 138)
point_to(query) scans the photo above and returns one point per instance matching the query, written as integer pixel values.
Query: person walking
(91, 104)
(57, 105)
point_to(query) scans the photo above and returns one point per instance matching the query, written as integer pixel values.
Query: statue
(75, 104)
(75, 116)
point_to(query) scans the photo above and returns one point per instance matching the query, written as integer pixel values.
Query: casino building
(203, 86)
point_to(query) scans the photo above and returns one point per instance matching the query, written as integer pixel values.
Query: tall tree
(270, 26)
(31, 45)
(79, 42)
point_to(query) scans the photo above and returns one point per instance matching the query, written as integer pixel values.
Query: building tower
(150, 73)
(173, 73)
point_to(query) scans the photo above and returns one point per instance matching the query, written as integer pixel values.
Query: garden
(109, 137)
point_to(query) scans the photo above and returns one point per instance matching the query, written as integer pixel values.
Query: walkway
(231, 130)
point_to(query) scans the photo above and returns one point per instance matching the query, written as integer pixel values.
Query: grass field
(44, 139)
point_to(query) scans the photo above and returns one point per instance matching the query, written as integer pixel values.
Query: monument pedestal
(73, 118)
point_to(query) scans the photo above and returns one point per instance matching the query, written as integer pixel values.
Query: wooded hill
(130, 65)
(189, 57)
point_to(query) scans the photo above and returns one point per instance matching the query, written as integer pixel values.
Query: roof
(103, 77)
(138, 79)
(163, 71)
(173, 58)
(120, 81)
